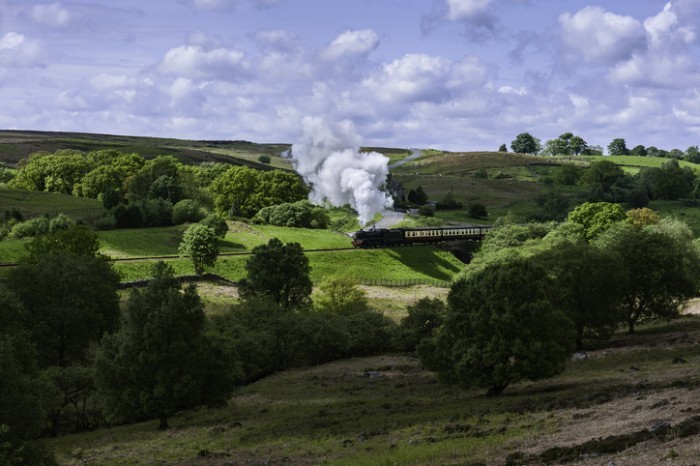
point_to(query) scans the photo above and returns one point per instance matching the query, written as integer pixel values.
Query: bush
(106, 222)
(33, 227)
(187, 211)
(370, 333)
(426, 210)
(424, 317)
(157, 212)
(60, 222)
(477, 210)
(264, 159)
(216, 223)
(300, 214)
(481, 174)
(128, 216)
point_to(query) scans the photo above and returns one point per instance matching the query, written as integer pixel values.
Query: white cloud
(600, 37)
(193, 61)
(51, 14)
(511, 90)
(413, 78)
(278, 40)
(466, 9)
(20, 51)
(351, 43)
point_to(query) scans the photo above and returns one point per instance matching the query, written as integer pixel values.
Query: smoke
(329, 159)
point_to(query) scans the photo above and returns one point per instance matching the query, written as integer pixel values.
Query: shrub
(106, 222)
(424, 317)
(216, 223)
(128, 216)
(157, 212)
(33, 227)
(264, 159)
(370, 333)
(187, 211)
(61, 222)
(481, 174)
(477, 210)
(426, 210)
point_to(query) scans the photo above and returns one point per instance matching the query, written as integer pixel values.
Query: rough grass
(35, 203)
(337, 414)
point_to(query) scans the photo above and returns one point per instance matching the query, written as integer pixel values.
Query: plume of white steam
(329, 159)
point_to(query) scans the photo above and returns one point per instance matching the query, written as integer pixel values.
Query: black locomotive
(385, 237)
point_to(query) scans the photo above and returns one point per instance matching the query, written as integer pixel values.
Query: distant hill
(17, 145)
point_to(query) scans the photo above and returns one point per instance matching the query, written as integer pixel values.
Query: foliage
(422, 319)
(127, 215)
(77, 239)
(279, 272)
(60, 222)
(300, 214)
(502, 148)
(426, 210)
(57, 172)
(586, 285)
(618, 147)
(500, 328)
(243, 191)
(22, 400)
(201, 244)
(670, 181)
(264, 159)
(660, 268)
(156, 212)
(188, 211)
(566, 144)
(32, 227)
(525, 143)
(216, 223)
(477, 210)
(340, 295)
(553, 205)
(508, 235)
(77, 303)
(417, 196)
(596, 217)
(568, 174)
(160, 360)
(604, 173)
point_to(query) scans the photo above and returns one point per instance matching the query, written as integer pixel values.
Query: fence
(402, 282)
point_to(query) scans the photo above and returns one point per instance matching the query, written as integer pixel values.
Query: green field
(631, 163)
(34, 203)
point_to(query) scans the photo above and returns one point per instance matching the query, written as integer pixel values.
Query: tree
(596, 217)
(502, 148)
(77, 239)
(660, 268)
(577, 145)
(568, 174)
(586, 285)
(22, 393)
(500, 328)
(340, 295)
(639, 150)
(77, 303)
(417, 196)
(201, 244)
(279, 272)
(160, 360)
(618, 147)
(477, 210)
(556, 146)
(423, 318)
(692, 154)
(603, 172)
(525, 143)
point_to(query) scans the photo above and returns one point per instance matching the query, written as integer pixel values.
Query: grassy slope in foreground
(336, 414)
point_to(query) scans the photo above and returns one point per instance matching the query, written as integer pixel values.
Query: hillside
(387, 410)
(16, 145)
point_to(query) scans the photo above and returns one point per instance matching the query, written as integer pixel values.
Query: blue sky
(446, 74)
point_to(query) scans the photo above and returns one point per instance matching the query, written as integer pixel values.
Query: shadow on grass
(425, 260)
(230, 246)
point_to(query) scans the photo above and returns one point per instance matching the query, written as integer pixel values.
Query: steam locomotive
(384, 237)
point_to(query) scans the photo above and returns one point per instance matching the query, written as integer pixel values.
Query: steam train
(384, 237)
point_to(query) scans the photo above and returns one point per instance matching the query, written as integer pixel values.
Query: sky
(456, 75)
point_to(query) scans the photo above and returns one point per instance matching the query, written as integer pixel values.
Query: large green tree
(525, 143)
(618, 146)
(279, 272)
(500, 328)
(660, 268)
(70, 299)
(160, 360)
(596, 217)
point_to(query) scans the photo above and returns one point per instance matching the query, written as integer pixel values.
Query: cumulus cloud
(195, 62)
(413, 78)
(601, 37)
(329, 159)
(50, 14)
(351, 43)
(20, 51)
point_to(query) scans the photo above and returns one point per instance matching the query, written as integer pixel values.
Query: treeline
(161, 191)
(70, 360)
(536, 292)
(570, 144)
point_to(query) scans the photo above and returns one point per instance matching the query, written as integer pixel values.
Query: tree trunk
(579, 338)
(630, 327)
(163, 421)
